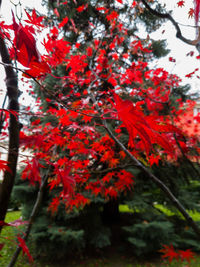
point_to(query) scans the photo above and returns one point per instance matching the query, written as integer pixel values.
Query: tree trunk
(13, 106)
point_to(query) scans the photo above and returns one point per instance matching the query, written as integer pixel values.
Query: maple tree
(107, 108)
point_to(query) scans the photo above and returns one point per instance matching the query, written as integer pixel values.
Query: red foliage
(63, 176)
(24, 247)
(196, 10)
(152, 137)
(134, 122)
(2, 223)
(63, 22)
(25, 44)
(191, 13)
(4, 166)
(147, 128)
(170, 253)
(34, 19)
(99, 79)
(82, 8)
(181, 3)
(32, 171)
(186, 255)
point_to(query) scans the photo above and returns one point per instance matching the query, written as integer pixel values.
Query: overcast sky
(5, 13)
(183, 65)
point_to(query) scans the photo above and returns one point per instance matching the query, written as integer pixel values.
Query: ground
(111, 257)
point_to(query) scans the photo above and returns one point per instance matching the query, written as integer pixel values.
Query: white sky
(5, 14)
(184, 64)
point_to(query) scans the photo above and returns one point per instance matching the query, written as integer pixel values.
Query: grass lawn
(194, 214)
(8, 239)
(111, 258)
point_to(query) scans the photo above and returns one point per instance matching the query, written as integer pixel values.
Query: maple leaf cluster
(193, 12)
(170, 253)
(103, 81)
(105, 86)
(21, 241)
(25, 49)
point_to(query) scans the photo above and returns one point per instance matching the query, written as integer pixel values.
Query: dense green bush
(147, 237)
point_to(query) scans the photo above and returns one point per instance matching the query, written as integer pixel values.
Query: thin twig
(176, 25)
(31, 219)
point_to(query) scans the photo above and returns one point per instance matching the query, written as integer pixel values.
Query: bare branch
(179, 35)
(31, 219)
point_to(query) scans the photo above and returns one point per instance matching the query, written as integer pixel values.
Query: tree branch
(157, 181)
(150, 175)
(179, 35)
(31, 219)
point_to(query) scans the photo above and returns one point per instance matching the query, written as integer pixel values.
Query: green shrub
(147, 237)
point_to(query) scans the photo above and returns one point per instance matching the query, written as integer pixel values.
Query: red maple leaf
(181, 3)
(62, 172)
(112, 16)
(148, 129)
(133, 121)
(196, 10)
(34, 19)
(32, 171)
(82, 8)
(63, 22)
(56, 12)
(186, 255)
(154, 159)
(37, 69)
(24, 247)
(78, 201)
(4, 166)
(25, 44)
(169, 252)
(67, 181)
(111, 192)
(191, 13)
(2, 223)
(53, 207)
(125, 180)
(134, 4)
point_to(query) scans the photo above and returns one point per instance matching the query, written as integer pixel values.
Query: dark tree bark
(13, 106)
